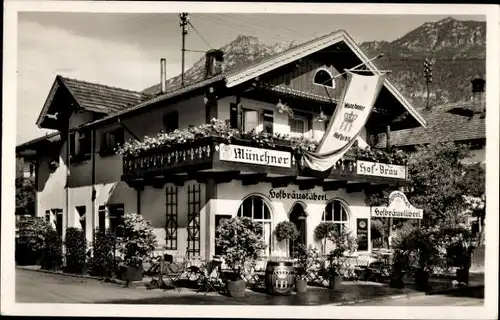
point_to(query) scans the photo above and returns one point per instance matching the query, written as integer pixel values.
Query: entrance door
(299, 217)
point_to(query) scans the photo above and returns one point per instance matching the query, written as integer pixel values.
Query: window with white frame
(336, 212)
(298, 126)
(251, 120)
(323, 77)
(256, 208)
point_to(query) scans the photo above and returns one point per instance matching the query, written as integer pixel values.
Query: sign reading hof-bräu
(265, 157)
(369, 168)
(399, 207)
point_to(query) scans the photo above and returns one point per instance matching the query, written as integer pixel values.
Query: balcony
(252, 162)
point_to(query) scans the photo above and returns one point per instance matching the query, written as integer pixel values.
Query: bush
(323, 231)
(31, 240)
(136, 241)
(240, 240)
(344, 243)
(102, 261)
(76, 250)
(52, 251)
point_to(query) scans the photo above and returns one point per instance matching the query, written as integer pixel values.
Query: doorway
(298, 216)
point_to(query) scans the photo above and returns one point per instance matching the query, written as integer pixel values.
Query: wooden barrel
(279, 277)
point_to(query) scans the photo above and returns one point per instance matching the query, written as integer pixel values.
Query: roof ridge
(102, 85)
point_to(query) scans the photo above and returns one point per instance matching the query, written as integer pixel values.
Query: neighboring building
(461, 122)
(186, 191)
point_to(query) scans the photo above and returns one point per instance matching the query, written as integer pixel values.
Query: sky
(124, 49)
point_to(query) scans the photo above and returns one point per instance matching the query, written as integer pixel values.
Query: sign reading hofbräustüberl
(265, 157)
(399, 207)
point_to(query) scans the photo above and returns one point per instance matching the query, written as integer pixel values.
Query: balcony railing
(213, 153)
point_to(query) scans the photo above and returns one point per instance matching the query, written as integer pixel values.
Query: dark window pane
(257, 208)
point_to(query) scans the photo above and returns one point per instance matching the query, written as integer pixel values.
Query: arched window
(323, 77)
(337, 213)
(256, 208)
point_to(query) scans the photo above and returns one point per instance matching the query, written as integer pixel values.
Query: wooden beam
(251, 179)
(178, 180)
(218, 176)
(356, 187)
(280, 182)
(335, 185)
(309, 184)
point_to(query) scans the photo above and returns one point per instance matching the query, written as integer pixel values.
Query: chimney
(163, 75)
(478, 84)
(213, 63)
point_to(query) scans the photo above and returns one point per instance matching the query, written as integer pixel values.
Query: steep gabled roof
(235, 77)
(444, 124)
(94, 97)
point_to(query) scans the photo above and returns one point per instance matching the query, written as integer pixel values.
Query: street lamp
(428, 77)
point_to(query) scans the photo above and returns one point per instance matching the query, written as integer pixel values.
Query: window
(268, 121)
(171, 121)
(233, 115)
(81, 213)
(80, 145)
(59, 221)
(323, 77)
(171, 214)
(102, 218)
(193, 228)
(116, 212)
(255, 208)
(110, 141)
(298, 126)
(250, 120)
(336, 212)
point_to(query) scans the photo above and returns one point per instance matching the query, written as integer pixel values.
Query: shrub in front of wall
(30, 241)
(52, 256)
(76, 250)
(102, 260)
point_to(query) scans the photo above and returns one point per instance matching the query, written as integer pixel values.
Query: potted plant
(322, 232)
(343, 243)
(305, 260)
(240, 240)
(286, 231)
(135, 243)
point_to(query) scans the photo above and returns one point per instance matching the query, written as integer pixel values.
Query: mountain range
(457, 49)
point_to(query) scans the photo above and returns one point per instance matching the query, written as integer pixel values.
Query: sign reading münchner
(265, 157)
(380, 170)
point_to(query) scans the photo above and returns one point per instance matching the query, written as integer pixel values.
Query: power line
(208, 45)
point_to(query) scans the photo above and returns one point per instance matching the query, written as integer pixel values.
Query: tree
(25, 197)
(437, 181)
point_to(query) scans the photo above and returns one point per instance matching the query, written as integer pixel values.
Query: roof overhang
(314, 46)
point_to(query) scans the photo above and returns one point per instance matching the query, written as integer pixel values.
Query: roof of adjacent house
(459, 121)
(102, 98)
(94, 97)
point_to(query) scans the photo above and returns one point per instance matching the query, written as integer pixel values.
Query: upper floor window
(110, 140)
(251, 120)
(323, 77)
(80, 146)
(298, 126)
(171, 121)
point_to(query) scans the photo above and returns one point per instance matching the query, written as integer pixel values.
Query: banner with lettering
(349, 118)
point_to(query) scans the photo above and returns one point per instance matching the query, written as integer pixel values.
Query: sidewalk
(349, 293)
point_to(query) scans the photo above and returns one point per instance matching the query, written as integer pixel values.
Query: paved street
(474, 298)
(36, 287)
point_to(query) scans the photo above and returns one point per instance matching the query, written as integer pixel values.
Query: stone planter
(300, 285)
(334, 282)
(463, 276)
(236, 288)
(133, 274)
(397, 280)
(422, 280)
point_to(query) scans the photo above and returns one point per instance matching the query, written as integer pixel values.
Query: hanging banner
(399, 207)
(351, 115)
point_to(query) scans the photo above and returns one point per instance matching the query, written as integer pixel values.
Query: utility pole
(428, 78)
(184, 25)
